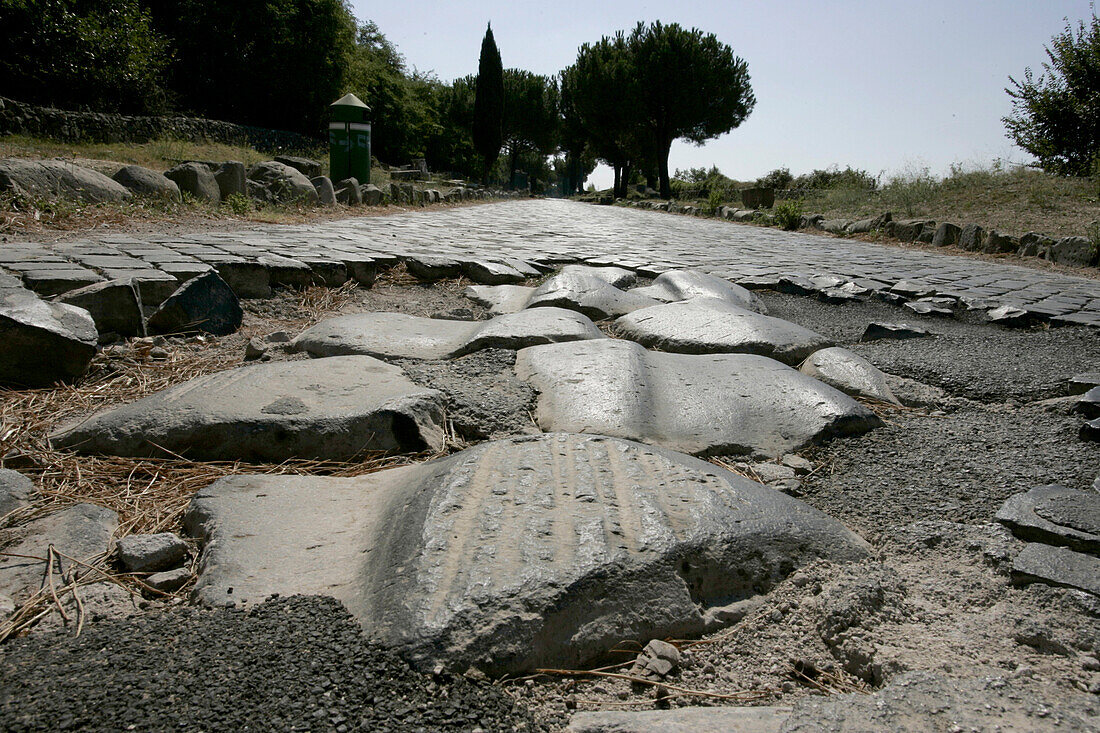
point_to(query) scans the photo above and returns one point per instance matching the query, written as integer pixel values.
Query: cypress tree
(489, 103)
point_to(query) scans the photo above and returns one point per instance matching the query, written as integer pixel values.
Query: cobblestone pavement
(542, 232)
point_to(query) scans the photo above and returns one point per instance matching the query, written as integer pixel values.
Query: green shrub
(238, 203)
(780, 179)
(787, 214)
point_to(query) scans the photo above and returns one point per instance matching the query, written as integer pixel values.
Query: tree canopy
(488, 127)
(1056, 116)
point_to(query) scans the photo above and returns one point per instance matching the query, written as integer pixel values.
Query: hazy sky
(882, 85)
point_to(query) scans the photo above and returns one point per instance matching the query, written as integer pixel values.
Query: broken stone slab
(327, 409)
(485, 272)
(876, 331)
(706, 404)
(401, 336)
(710, 326)
(848, 372)
(431, 267)
(682, 720)
(677, 285)
(657, 659)
(1042, 563)
(515, 554)
(280, 183)
(115, 307)
(1091, 431)
(53, 178)
(43, 342)
(83, 532)
(232, 178)
(1089, 404)
(929, 307)
(204, 303)
(1081, 383)
(16, 491)
(796, 285)
(1056, 515)
(500, 299)
(588, 294)
(168, 581)
(1010, 315)
(147, 553)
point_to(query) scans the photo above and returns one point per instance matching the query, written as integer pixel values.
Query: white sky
(882, 85)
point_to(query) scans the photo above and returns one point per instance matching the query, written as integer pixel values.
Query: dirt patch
(485, 399)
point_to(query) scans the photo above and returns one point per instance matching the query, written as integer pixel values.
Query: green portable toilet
(349, 140)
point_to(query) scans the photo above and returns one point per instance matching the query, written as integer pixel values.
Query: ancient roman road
(547, 231)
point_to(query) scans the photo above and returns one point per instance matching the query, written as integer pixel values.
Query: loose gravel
(297, 663)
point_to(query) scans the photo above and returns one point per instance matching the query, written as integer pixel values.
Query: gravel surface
(485, 399)
(965, 357)
(298, 663)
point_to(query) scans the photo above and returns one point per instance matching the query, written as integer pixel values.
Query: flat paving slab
(646, 242)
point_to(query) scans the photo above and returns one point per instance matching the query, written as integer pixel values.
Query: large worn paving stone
(617, 277)
(397, 335)
(53, 178)
(758, 719)
(707, 404)
(1057, 566)
(332, 409)
(1056, 515)
(677, 285)
(710, 326)
(81, 532)
(589, 294)
(500, 299)
(517, 554)
(848, 372)
(43, 342)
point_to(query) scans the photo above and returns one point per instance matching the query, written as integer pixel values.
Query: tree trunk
(662, 163)
(624, 184)
(618, 176)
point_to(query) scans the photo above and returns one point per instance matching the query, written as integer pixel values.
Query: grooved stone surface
(500, 298)
(333, 409)
(848, 372)
(708, 404)
(514, 554)
(709, 326)
(401, 336)
(1056, 515)
(677, 285)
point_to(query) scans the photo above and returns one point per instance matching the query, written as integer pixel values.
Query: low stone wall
(17, 118)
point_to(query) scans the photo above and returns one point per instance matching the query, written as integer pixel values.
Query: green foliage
(237, 203)
(488, 123)
(908, 190)
(850, 178)
(270, 63)
(694, 87)
(531, 116)
(1056, 117)
(779, 179)
(787, 214)
(715, 199)
(97, 54)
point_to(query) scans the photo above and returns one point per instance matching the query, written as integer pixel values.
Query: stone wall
(17, 118)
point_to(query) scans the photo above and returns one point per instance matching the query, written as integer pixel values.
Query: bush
(779, 179)
(836, 178)
(787, 214)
